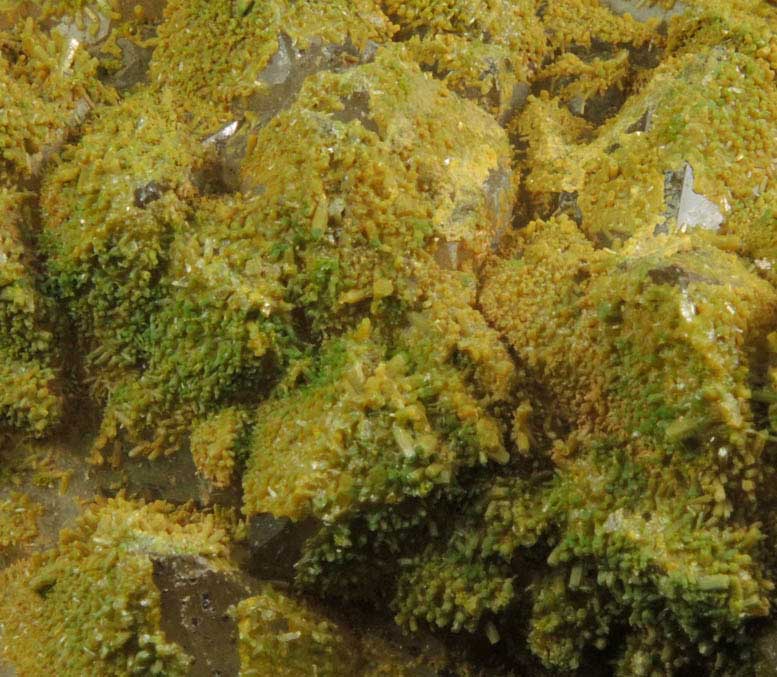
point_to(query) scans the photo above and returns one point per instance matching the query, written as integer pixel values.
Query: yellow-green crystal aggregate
(286, 636)
(90, 604)
(422, 279)
(18, 520)
(29, 398)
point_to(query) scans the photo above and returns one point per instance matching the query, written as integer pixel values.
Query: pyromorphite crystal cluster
(466, 308)
(278, 636)
(288, 637)
(90, 606)
(29, 398)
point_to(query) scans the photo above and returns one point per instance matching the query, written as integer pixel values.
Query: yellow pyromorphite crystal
(513, 25)
(289, 637)
(18, 520)
(240, 48)
(49, 87)
(710, 108)
(581, 22)
(213, 446)
(90, 604)
(394, 156)
(485, 51)
(281, 636)
(675, 297)
(366, 170)
(369, 429)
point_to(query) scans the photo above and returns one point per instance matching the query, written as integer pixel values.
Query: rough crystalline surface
(421, 339)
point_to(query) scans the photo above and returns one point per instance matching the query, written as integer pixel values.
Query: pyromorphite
(467, 308)
(90, 604)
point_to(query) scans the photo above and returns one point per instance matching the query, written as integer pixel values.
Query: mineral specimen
(322, 322)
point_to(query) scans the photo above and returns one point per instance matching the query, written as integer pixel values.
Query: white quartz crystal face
(695, 209)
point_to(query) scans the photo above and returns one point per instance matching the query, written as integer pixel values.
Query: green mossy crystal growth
(185, 300)
(29, 395)
(456, 319)
(379, 439)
